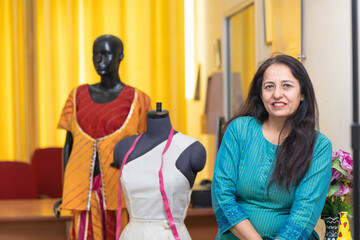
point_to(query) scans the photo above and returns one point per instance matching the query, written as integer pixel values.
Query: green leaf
(336, 161)
(337, 166)
(333, 188)
(330, 209)
(334, 205)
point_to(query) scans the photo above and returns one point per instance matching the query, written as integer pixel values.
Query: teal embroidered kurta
(242, 172)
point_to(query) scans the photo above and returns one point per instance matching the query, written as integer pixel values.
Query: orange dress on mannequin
(96, 128)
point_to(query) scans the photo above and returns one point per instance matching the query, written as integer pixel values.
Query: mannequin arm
(191, 161)
(67, 149)
(66, 154)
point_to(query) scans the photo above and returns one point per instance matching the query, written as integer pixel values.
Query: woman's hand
(244, 230)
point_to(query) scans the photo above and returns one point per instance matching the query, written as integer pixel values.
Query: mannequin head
(107, 54)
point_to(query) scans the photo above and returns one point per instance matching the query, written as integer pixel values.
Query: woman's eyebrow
(287, 81)
(268, 81)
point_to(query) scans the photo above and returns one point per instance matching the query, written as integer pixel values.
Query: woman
(273, 168)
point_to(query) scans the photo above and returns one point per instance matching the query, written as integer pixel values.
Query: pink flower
(345, 160)
(350, 177)
(334, 155)
(335, 174)
(343, 190)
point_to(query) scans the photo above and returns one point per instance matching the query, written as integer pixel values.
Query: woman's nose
(278, 92)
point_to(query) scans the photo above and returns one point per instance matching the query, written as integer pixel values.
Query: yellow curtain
(62, 33)
(12, 97)
(153, 36)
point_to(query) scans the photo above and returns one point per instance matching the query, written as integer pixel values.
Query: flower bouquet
(340, 186)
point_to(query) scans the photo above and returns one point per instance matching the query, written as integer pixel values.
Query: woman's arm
(244, 230)
(229, 214)
(310, 194)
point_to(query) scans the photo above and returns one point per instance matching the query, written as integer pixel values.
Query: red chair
(16, 181)
(47, 166)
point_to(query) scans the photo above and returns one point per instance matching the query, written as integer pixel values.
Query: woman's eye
(269, 86)
(287, 85)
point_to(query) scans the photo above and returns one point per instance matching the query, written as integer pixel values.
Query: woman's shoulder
(243, 127)
(322, 149)
(321, 139)
(245, 121)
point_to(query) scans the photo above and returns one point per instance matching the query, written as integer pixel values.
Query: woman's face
(280, 92)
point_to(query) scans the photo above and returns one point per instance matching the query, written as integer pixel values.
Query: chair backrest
(47, 166)
(16, 181)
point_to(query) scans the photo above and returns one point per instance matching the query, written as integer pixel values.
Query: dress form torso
(140, 180)
(191, 160)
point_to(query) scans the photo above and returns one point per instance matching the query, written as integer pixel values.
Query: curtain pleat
(12, 95)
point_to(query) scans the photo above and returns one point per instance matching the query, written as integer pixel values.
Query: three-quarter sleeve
(67, 112)
(227, 211)
(310, 194)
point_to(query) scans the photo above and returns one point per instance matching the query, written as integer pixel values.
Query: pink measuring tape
(162, 190)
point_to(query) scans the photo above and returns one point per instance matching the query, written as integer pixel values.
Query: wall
(327, 45)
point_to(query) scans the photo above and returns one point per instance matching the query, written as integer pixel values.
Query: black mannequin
(190, 162)
(107, 55)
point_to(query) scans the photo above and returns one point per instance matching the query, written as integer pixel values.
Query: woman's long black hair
(295, 154)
